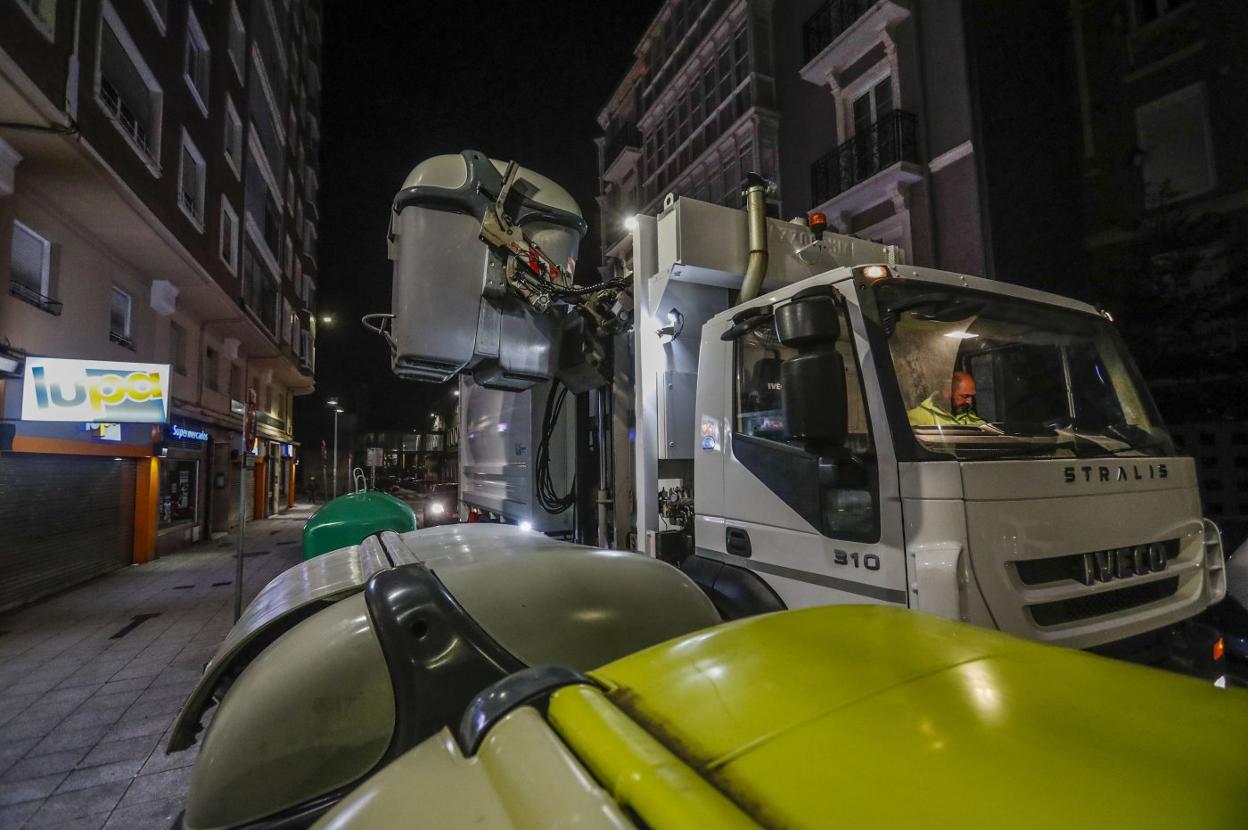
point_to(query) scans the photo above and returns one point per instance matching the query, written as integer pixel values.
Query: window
(160, 12)
(233, 137)
(197, 61)
(32, 265)
(128, 90)
(1176, 148)
(268, 398)
(873, 105)
(177, 347)
(179, 492)
(763, 440)
(212, 369)
(119, 318)
(228, 248)
(288, 257)
(290, 189)
(191, 170)
(42, 13)
(236, 382)
(309, 240)
(236, 45)
(1146, 11)
(259, 289)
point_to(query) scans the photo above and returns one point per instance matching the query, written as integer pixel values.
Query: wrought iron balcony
(617, 140)
(829, 21)
(891, 139)
(29, 295)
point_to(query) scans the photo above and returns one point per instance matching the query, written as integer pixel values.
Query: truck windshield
(987, 377)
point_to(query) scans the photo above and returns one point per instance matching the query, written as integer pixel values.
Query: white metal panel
(499, 435)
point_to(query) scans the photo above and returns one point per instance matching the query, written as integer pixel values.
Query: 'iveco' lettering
(1120, 472)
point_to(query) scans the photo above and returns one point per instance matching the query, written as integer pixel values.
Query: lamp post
(333, 402)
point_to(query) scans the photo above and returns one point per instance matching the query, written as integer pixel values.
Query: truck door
(821, 525)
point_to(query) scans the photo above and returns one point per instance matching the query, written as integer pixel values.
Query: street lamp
(327, 319)
(333, 403)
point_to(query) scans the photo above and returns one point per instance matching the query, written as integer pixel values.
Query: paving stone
(113, 701)
(13, 751)
(59, 740)
(158, 786)
(149, 708)
(40, 766)
(135, 727)
(129, 684)
(95, 716)
(107, 752)
(86, 777)
(13, 705)
(29, 727)
(94, 822)
(150, 815)
(59, 809)
(14, 815)
(31, 789)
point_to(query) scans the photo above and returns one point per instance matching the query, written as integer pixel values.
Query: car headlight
(437, 508)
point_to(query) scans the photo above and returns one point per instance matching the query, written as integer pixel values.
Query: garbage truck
(777, 457)
(796, 441)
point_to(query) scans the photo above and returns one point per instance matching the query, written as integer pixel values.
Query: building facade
(1165, 191)
(894, 118)
(158, 207)
(694, 114)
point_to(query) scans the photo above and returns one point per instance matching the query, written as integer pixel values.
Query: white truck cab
(828, 465)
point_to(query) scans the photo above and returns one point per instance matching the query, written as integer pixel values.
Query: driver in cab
(959, 395)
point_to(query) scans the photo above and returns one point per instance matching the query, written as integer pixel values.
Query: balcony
(621, 151)
(39, 301)
(891, 142)
(842, 31)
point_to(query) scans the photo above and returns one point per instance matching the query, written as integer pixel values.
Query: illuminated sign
(56, 389)
(178, 431)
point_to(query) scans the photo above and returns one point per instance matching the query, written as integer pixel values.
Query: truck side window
(847, 510)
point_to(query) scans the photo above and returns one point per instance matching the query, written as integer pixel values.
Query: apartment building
(888, 116)
(1160, 88)
(158, 218)
(694, 114)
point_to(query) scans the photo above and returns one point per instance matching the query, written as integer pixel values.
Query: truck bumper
(1186, 647)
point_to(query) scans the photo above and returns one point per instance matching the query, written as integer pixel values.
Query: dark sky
(403, 81)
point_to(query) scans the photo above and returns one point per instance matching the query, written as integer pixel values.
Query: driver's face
(963, 392)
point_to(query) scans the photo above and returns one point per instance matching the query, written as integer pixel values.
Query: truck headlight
(437, 508)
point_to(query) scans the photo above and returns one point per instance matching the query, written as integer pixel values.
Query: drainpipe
(72, 76)
(756, 190)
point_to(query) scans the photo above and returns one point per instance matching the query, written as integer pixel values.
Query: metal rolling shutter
(63, 520)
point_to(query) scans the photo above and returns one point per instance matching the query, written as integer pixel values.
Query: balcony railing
(891, 139)
(827, 23)
(617, 140)
(36, 299)
(118, 109)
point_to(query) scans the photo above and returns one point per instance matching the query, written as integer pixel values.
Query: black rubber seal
(510, 693)
(439, 659)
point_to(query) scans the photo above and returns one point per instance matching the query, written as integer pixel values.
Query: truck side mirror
(808, 322)
(814, 398)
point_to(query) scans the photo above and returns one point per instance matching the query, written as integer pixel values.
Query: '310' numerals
(869, 561)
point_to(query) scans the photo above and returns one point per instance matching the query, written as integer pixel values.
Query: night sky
(520, 81)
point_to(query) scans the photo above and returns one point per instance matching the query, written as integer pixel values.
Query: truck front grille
(1105, 602)
(1099, 566)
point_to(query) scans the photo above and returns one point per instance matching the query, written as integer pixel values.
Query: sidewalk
(91, 680)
